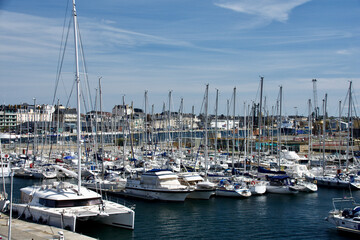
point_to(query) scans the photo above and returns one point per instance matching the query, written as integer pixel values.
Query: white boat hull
(232, 193)
(257, 189)
(157, 194)
(344, 224)
(42, 216)
(112, 215)
(280, 190)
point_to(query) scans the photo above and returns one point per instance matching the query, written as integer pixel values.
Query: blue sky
(181, 45)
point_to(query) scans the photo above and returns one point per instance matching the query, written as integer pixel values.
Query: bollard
(61, 235)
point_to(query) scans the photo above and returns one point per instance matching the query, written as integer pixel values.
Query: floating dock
(23, 230)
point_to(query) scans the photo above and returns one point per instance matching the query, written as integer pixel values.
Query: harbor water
(270, 216)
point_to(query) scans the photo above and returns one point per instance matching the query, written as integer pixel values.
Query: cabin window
(69, 203)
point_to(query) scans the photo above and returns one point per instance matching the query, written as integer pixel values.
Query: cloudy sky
(180, 46)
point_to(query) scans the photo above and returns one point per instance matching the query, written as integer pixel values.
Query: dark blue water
(269, 216)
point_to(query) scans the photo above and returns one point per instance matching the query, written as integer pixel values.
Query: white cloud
(271, 10)
(344, 52)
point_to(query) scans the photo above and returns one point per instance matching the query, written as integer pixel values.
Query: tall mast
(78, 96)
(349, 128)
(259, 118)
(123, 133)
(245, 136)
(206, 130)
(102, 125)
(280, 122)
(216, 124)
(169, 121)
(227, 128)
(310, 133)
(180, 135)
(233, 143)
(192, 132)
(145, 121)
(324, 131)
(339, 127)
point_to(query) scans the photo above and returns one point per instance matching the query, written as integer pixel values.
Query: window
(69, 203)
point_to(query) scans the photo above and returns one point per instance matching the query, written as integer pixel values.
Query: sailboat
(203, 189)
(63, 204)
(338, 180)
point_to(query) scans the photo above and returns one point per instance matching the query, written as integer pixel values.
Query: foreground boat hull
(41, 216)
(344, 224)
(113, 214)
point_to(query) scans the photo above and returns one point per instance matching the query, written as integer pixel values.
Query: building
(8, 117)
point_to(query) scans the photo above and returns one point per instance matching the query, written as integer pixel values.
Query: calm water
(270, 216)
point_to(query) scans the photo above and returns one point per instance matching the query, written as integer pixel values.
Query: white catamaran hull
(66, 218)
(40, 215)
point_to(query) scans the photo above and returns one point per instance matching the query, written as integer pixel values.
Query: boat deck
(22, 230)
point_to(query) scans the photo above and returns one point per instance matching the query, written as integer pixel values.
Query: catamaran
(63, 204)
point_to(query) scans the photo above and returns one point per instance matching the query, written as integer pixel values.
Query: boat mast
(339, 127)
(227, 128)
(324, 131)
(145, 122)
(245, 136)
(78, 96)
(233, 134)
(2, 171)
(102, 136)
(123, 133)
(259, 118)
(216, 125)
(169, 122)
(310, 133)
(206, 130)
(349, 128)
(180, 135)
(280, 122)
(192, 146)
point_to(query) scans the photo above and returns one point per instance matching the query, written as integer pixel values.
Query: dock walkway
(23, 230)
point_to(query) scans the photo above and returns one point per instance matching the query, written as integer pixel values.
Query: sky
(160, 46)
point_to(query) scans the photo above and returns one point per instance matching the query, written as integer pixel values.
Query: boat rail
(121, 201)
(345, 200)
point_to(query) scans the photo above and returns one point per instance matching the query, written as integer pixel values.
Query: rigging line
(60, 62)
(72, 89)
(355, 103)
(202, 104)
(345, 102)
(66, 93)
(85, 67)
(83, 98)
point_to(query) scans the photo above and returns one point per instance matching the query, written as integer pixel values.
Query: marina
(269, 216)
(231, 169)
